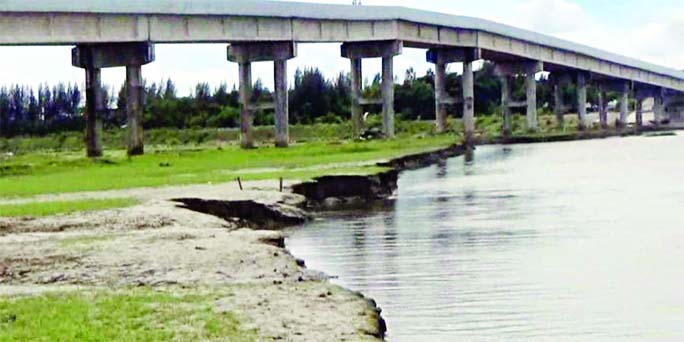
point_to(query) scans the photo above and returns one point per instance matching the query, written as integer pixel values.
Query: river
(575, 241)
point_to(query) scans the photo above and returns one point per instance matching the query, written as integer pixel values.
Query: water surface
(575, 241)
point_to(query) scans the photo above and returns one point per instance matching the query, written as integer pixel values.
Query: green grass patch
(39, 209)
(136, 315)
(41, 173)
(177, 157)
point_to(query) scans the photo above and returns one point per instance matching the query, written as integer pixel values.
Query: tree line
(313, 98)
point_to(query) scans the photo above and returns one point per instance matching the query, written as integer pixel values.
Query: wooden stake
(239, 183)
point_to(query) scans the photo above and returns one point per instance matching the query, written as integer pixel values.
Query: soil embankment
(167, 248)
(332, 191)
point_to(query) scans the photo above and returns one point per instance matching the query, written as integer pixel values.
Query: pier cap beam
(100, 56)
(385, 49)
(453, 55)
(518, 68)
(251, 52)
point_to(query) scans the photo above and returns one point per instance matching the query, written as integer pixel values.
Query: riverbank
(209, 267)
(194, 240)
(209, 259)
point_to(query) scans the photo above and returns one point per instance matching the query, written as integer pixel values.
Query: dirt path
(159, 245)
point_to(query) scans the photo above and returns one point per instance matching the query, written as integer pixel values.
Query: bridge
(123, 33)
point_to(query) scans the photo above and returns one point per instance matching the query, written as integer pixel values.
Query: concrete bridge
(123, 33)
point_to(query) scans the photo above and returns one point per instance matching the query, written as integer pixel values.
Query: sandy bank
(159, 245)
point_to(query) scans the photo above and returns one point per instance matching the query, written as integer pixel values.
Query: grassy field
(41, 173)
(204, 156)
(38, 209)
(130, 315)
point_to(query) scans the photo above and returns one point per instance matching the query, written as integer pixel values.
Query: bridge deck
(66, 22)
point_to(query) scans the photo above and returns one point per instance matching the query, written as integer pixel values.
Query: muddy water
(574, 241)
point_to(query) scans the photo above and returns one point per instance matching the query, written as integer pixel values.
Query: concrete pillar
(603, 110)
(388, 96)
(529, 69)
(356, 90)
(131, 55)
(282, 130)
(658, 107)
(244, 54)
(505, 105)
(468, 85)
(558, 103)
(639, 114)
(134, 109)
(440, 97)
(624, 105)
(246, 105)
(582, 101)
(531, 93)
(92, 112)
(441, 57)
(385, 50)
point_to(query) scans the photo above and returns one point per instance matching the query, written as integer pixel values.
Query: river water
(573, 241)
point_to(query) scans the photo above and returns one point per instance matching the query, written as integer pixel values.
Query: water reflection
(551, 242)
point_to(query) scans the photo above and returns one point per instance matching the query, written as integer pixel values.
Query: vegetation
(40, 173)
(209, 156)
(131, 315)
(37, 209)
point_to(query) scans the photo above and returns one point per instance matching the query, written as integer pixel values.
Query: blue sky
(648, 30)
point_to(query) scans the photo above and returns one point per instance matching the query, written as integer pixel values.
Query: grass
(38, 209)
(212, 156)
(133, 315)
(62, 172)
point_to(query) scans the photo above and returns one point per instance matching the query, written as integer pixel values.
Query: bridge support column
(135, 90)
(133, 56)
(641, 93)
(386, 50)
(558, 104)
(468, 80)
(603, 110)
(559, 80)
(624, 105)
(245, 54)
(531, 92)
(639, 124)
(658, 106)
(92, 112)
(440, 97)
(582, 101)
(356, 90)
(441, 57)
(506, 83)
(247, 107)
(388, 96)
(282, 114)
(529, 69)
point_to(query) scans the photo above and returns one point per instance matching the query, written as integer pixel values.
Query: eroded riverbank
(160, 246)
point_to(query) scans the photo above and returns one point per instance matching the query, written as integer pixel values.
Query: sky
(650, 30)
